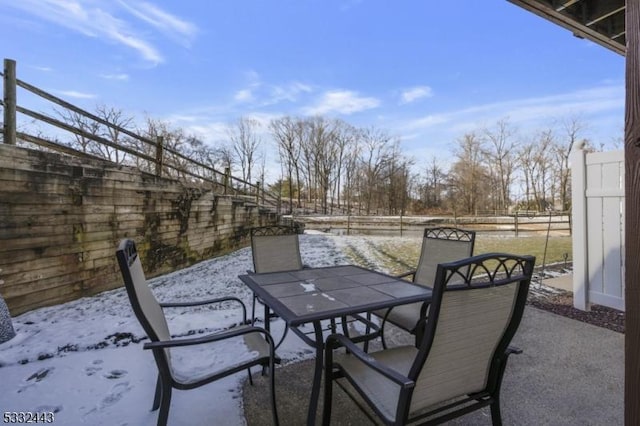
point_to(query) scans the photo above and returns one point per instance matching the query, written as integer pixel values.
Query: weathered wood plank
(13, 198)
(21, 280)
(70, 279)
(632, 219)
(48, 297)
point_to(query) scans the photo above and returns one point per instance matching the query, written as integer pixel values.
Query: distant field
(556, 249)
(400, 254)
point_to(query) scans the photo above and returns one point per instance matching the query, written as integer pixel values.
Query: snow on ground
(84, 360)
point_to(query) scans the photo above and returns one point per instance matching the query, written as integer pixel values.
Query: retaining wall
(62, 217)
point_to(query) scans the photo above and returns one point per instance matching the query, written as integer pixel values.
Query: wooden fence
(598, 237)
(152, 153)
(515, 224)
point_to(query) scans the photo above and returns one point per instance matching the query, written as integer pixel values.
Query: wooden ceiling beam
(566, 5)
(545, 9)
(620, 34)
(605, 16)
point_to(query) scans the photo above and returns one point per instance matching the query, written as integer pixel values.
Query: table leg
(267, 323)
(317, 374)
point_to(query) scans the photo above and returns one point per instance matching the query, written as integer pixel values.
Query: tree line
(330, 166)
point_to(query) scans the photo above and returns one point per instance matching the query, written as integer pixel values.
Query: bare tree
(399, 180)
(535, 162)
(500, 151)
(469, 177)
(374, 157)
(286, 133)
(83, 140)
(350, 165)
(433, 186)
(561, 151)
(344, 136)
(245, 142)
(113, 132)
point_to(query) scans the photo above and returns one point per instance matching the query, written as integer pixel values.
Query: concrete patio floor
(571, 373)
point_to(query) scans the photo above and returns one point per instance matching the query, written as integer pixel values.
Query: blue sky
(425, 71)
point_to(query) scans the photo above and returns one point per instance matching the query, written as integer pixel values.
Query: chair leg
(158, 395)
(328, 395)
(253, 310)
(382, 340)
(272, 384)
(163, 415)
(496, 418)
(250, 377)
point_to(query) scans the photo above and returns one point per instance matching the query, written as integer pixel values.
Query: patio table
(312, 295)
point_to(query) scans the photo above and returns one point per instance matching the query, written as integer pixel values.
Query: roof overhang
(601, 21)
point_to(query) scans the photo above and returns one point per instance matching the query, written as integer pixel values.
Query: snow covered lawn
(84, 360)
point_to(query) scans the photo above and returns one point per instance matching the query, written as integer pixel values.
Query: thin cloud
(244, 95)
(101, 20)
(342, 102)
(530, 110)
(169, 24)
(76, 94)
(253, 83)
(437, 130)
(288, 92)
(415, 93)
(349, 4)
(43, 69)
(262, 94)
(118, 77)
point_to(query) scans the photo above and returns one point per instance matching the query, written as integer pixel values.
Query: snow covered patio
(84, 360)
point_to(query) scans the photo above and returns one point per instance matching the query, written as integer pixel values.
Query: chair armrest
(336, 340)
(199, 302)
(163, 344)
(406, 274)
(207, 302)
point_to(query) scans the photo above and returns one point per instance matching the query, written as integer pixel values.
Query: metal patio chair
(439, 245)
(274, 248)
(257, 343)
(459, 364)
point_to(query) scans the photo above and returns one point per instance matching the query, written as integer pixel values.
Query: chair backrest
(442, 245)
(469, 326)
(275, 248)
(144, 304)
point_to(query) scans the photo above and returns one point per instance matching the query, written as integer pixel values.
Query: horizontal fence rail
(515, 224)
(155, 156)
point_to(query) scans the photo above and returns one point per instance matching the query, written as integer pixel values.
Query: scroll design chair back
(149, 312)
(439, 245)
(275, 248)
(476, 308)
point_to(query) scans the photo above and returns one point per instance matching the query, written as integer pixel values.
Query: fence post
(279, 204)
(10, 101)
(579, 222)
(515, 223)
(258, 192)
(159, 156)
(227, 173)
